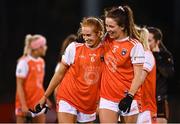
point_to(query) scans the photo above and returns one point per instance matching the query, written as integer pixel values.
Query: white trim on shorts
(81, 117)
(144, 118)
(107, 104)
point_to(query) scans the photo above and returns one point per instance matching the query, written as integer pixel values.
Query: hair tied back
(121, 8)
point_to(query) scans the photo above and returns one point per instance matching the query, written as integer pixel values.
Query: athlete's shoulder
(41, 59)
(78, 44)
(149, 54)
(74, 45)
(149, 61)
(134, 41)
(23, 59)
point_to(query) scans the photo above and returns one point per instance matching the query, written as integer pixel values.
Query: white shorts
(107, 104)
(145, 118)
(81, 117)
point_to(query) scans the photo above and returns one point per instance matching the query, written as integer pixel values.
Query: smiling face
(90, 36)
(113, 29)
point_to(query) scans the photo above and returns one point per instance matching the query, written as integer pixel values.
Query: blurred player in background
(164, 70)
(149, 108)
(29, 77)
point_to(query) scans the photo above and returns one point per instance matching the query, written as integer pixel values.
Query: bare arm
(21, 94)
(56, 79)
(139, 78)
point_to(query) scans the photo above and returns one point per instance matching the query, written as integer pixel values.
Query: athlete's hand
(125, 103)
(49, 103)
(39, 110)
(24, 109)
(41, 104)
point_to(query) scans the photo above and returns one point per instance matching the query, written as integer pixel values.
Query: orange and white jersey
(32, 71)
(149, 85)
(118, 73)
(81, 83)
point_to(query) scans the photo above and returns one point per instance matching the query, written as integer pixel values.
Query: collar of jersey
(122, 40)
(32, 58)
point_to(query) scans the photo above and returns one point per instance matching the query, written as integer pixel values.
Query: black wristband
(130, 95)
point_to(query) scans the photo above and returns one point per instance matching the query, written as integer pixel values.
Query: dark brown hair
(123, 15)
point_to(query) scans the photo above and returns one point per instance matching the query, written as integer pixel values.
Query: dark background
(55, 19)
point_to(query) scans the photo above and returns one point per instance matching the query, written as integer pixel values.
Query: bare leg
(161, 121)
(108, 116)
(129, 119)
(66, 117)
(20, 119)
(39, 119)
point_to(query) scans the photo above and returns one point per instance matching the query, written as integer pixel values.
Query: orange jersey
(81, 83)
(118, 72)
(149, 85)
(32, 70)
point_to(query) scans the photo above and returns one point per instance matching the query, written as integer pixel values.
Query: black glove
(125, 103)
(38, 108)
(38, 111)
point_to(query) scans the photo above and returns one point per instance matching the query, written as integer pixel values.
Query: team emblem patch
(123, 52)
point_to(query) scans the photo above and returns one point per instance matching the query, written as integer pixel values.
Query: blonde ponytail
(144, 33)
(27, 45)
